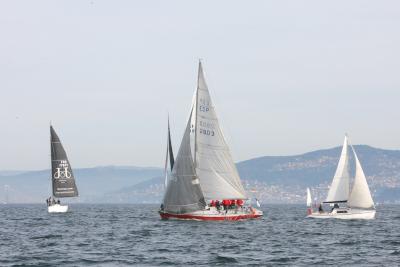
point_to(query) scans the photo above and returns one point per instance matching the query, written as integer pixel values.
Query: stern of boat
(57, 208)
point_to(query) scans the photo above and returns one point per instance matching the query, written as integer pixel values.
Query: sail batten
(63, 181)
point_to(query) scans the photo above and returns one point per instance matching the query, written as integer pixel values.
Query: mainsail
(339, 190)
(62, 176)
(360, 196)
(219, 178)
(183, 193)
(309, 200)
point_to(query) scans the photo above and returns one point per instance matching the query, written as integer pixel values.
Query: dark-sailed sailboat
(63, 181)
(204, 183)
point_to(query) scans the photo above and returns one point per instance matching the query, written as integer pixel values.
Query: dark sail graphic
(171, 153)
(62, 176)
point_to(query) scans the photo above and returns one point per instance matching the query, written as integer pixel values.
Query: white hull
(57, 208)
(345, 214)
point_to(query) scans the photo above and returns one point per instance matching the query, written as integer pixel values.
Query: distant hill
(271, 178)
(35, 186)
(319, 166)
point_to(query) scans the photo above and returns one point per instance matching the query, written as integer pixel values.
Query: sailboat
(203, 174)
(309, 201)
(63, 181)
(356, 203)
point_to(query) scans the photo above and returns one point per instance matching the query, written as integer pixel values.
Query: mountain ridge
(275, 178)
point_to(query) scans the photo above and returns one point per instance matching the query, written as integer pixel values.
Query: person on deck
(336, 206)
(233, 203)
(239, 202)
(320, 209)
(217, 204)
(212, 204)
(225, 203)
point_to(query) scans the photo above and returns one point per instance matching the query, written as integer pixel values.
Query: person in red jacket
(225, 203)
(212, 204)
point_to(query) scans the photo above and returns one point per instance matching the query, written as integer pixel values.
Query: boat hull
(346, 214)
(57, 208)
(210, 215)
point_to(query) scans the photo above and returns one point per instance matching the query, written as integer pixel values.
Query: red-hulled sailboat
(203, 174)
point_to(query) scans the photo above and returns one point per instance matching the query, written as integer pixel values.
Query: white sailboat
(354, 204)
(63, 181)
(309, 202)
(204, 172)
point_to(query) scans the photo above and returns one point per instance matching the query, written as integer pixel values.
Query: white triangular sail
(309, 200)
(219, 178)
(339, 190)
(360, 196)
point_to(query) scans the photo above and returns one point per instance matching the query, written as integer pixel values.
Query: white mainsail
(360, 196)
(219, 178)
(309, 201)
(339, 190)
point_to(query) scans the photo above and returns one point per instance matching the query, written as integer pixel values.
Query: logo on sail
(62, 173)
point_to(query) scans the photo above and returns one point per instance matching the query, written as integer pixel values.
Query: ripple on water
(109, 235)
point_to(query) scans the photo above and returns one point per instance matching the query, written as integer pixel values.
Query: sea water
(119, 235)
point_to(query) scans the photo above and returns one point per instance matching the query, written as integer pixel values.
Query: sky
(286, 77)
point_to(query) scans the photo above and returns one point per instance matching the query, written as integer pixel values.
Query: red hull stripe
(209, 218)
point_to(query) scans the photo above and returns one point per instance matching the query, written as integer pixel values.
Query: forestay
(183, 192)
(219, 178)
(360, 196)
(62, 176)
(339, 190)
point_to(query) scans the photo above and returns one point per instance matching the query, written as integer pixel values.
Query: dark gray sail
(62, 176)
(171, 153)
(183, 192)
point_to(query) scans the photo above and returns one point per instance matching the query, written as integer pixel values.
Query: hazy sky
(286, 77)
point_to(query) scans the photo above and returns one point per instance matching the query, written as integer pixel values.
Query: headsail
(171, 152)
(360, 196)
(62, 176)
(339, 190)
(309, 200)
(219, 178)
(183, 192)
(169, 158)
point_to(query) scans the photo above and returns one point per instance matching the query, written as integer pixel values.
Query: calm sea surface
(109, 235)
